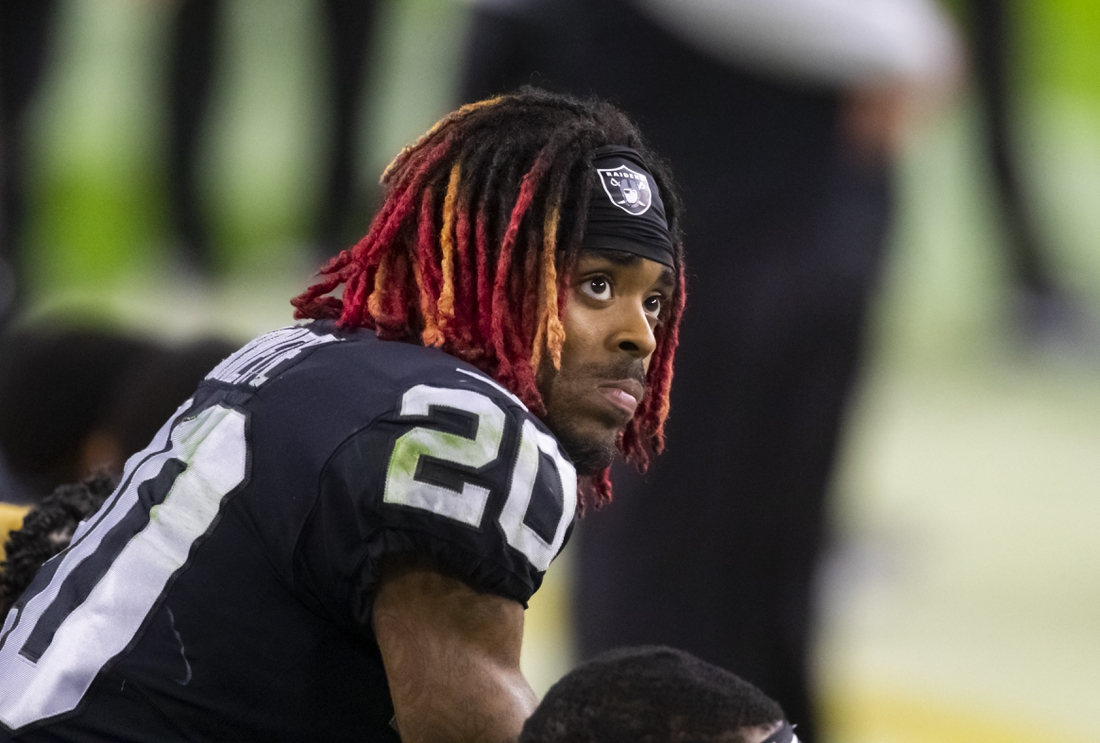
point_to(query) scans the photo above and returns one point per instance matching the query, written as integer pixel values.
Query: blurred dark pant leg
(991, 46)
(195, 39)
(350, 27)
(24, 50)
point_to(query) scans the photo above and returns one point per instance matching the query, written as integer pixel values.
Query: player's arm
(451, 656)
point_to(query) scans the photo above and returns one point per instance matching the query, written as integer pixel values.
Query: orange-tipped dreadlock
(473, 246)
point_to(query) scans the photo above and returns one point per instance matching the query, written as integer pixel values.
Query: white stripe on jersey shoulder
(252, 364)
(494, 383)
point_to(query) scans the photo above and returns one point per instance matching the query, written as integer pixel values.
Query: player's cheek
(583, 328)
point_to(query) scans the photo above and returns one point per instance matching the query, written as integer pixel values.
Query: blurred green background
(961, 600)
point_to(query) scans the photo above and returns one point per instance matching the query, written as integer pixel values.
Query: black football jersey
(224, 591)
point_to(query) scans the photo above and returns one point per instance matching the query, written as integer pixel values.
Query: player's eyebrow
(667, 279)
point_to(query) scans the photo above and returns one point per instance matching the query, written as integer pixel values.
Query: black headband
(626, 212)
(785, 734)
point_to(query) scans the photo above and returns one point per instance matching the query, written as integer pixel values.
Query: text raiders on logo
(627, 188)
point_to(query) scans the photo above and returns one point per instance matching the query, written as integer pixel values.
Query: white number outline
(524, 475)
(468, 505)
(214, 447)
(402, 487)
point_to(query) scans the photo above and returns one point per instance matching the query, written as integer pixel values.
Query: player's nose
(633, 332)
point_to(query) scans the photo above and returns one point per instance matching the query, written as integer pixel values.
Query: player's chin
(593, 458)
(587, 428)
(591, 448)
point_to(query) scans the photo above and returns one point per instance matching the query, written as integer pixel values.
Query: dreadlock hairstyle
(473, 245)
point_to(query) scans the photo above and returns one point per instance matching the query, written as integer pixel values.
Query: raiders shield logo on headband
(627, 188)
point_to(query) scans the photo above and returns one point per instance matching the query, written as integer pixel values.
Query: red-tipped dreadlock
(472, 248)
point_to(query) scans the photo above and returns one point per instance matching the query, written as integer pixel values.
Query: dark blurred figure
(55, 386)
(655, 695)
(76, 402)
(349, 26)
(146, 396)
(24, 48)
(782, 142)
(1046, 316)
(194, 48)
(46, 530)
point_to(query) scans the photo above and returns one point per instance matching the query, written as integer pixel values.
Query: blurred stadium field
(961, 600)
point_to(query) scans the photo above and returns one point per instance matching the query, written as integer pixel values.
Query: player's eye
(653, 305)
(597, 287)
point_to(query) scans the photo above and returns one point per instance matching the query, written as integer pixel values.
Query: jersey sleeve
(455, 470)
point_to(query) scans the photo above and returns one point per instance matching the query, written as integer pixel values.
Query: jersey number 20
(468, 504)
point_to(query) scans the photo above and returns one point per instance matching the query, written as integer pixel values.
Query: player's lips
(624, 394)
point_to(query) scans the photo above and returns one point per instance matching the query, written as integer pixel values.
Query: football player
(334, 539)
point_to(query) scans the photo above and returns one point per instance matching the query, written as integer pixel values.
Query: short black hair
(47, 530)
(649, 694)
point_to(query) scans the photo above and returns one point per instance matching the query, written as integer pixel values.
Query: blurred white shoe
(1056, 326)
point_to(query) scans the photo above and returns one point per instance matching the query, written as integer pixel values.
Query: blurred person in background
(74, 402)
(655, 695)
(78, 402)
(782, 119)
(24, 48)
(145, 396)
(26, 27)
(56, 384)
(349, 29)
(1046, 317)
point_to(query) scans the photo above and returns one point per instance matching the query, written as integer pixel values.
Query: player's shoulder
(452, 466)
(407, 367)
(353, 363)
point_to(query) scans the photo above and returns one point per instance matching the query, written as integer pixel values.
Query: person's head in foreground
(655, 695)
(534, 236)
(47, 530)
